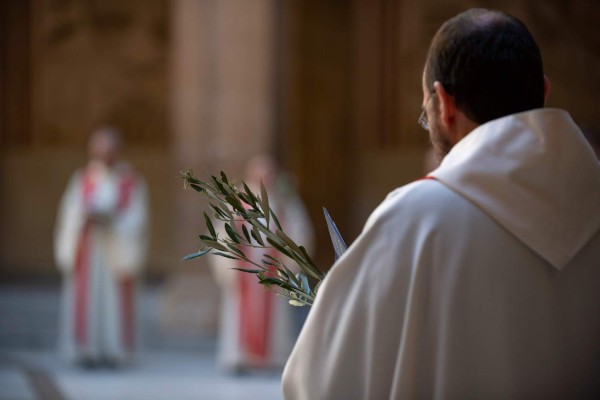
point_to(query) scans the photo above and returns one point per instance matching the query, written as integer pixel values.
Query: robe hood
(533, 173)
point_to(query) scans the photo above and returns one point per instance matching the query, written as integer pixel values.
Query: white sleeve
(68, 225)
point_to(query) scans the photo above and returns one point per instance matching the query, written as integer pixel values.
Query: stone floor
(38, 375)
(168, 367)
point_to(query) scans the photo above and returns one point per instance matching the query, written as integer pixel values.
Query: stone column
(244, 105)
(221, 115)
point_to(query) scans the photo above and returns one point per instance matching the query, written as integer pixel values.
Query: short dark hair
(489, 62)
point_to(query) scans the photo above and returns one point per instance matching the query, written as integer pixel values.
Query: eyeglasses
(423, 120)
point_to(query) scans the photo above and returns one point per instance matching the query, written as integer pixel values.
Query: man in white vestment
(100, 247)
(257, 327)
(482, 280)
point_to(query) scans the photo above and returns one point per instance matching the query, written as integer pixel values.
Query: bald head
(489, 62)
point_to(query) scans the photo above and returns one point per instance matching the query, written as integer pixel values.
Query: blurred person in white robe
(482, 280)
(100, 247)
(257, 327)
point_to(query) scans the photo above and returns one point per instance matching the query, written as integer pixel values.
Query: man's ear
(546, 89)
(447, 106)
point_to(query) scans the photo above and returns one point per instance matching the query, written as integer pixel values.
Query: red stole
(255, 312)
(255, 317)
(82, 269)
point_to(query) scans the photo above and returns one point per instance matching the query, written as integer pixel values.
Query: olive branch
(250, 222)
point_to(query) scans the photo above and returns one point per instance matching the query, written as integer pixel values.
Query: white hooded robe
(100, 262)
(482, 282)
(236, 350)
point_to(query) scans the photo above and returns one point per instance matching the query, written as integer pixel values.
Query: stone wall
(79, 65)
(333, 86)
(99, 62)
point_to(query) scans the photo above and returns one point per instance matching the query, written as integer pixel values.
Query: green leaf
(274, 260)
(250, 271)
(251, 215)
(218, 185)
(264, 198)
(195, 255)
(236, 250)
(279, 247)
(245, 199)
(283, 274)
(213, 195)
(251, 196)
(227, 212)
(210, 226)
(197, 188)
(271, 281)
(311, 265)
(307, 256)
(235, 203)
(264, 230)
(291, 275)
(256, 235)
(213, 244)
(216, 210)
(271, 263)
(221, 254)
(288, 241)
(224, 212)
(229, 190)
(233, 235)
(276, 220)
(246, 233)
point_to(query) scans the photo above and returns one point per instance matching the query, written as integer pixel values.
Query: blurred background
(332, 88)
